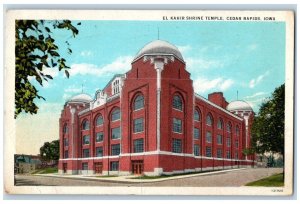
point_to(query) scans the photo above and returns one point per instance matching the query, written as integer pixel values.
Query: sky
(248, 57)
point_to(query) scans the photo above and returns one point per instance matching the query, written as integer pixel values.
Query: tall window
(66, 154)
(99, 151)
(138, 125)
(115, 114)
(228, 127)
(236, 155)
(114, 166)
(138, 145)
(115, 133)
(196, 150)
(209, 120)
(197, 116)
(86, 153)
(177, 125)
(86, 139)
(219, 153)
(228, 141)
(138, 102)
(208, 137)
(228, 154)
(99, 136)
(86, 125)
(220, 124)
(66, 142)
(208, 151)
(237, 131)
(115, 149)
(196, 133)
(177, 102)
(219, 139)
(237, 143)
(65, 129)
(116, 87)
(99, 120)
(176, 146)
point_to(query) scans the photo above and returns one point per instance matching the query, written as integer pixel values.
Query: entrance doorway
(98, 167)
(137, 167)
(65, 167)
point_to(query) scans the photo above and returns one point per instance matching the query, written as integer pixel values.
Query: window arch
(220, 124)
(65, 128)
(99, 120)
(197, 115)
(229, 127)
(209, 120)
(86, 125)
(177, 102)
(237, 130)
(116, 114)
(138, 102)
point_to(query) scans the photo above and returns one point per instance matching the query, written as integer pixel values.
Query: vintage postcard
(149, 102)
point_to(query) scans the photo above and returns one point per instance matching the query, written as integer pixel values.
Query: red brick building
(151, 121)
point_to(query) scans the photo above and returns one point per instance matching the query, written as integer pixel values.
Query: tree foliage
(35, 49)
(268, 126)
(50, 151)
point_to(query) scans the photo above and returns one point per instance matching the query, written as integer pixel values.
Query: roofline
(109, 82)
(216, 106)
(155, 54)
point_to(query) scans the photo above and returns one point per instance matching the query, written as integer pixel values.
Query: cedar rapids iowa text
(218, 18)
(150, 121)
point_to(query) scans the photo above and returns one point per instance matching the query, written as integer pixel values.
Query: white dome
(81, 98)
(159, 47)
(239, 106)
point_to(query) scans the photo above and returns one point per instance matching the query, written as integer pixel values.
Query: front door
(98, 167)
(65, 168)
(137, 167)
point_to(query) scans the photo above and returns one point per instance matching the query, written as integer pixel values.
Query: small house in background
(26, 163)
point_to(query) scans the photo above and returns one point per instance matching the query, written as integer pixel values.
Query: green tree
(35, 49)
(268, 126)
(50, 151)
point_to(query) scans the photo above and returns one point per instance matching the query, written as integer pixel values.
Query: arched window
(65, 128)
(138, 102)
(209, 120)
(220, 124)
(197, 115)
(115, 115)
(86, 125)
(229, 127)
(177, 102)
(99, 120)
(237, 130)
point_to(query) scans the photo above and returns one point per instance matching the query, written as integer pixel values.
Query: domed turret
(239, 106)
(85, 98)
(159, 47)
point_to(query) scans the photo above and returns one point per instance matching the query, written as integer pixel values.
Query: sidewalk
(129, 179)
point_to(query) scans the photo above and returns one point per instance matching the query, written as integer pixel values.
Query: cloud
(255, 95)
(202, 85)
(50, 71)
(254, 82)
(73, 89)
(86, 53)
(119, 66)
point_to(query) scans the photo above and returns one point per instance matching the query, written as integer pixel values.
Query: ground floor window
(228, 154)
(176, 146)
(114, 166)
(85, 166)
(196, 150)
(115, 149)
(208, 152)
(138, 145)
(86, 153)
(219, 153)
(99, 151)
(66, 154)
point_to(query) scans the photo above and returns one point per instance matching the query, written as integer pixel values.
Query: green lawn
(275, 180)
(49, 170)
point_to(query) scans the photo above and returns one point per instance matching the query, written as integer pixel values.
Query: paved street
(221, 179)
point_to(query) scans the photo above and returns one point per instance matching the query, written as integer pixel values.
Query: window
(236, 155)
(86, 153)
(138, 102)
(138, 125)
(99, 151)
(228, 142)
(228, 154)
(208, 137)
(176, 147)
(85, 166)
(99, 120)
(115, 133)
(115, 149)
(116, 87)
(66, 142)
(86, 139)
(209, 120)
(66, 154)
(196, 133)
(138, 145)
(86, 125)
(220, 124)
(197, 115)
(229, 127)
(114, 166)
(65, 129)
(196, 150)
(219, 153)
(177, 126)
(99, 136)
(208, 152)
(236, 143)
(219, 139)
(177, 102)
(237, 131)
(115, 114)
